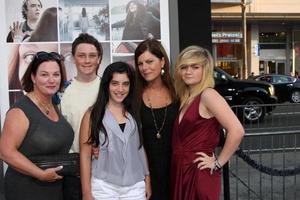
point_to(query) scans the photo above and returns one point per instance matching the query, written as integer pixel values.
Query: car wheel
(252, 112)
(295, 96)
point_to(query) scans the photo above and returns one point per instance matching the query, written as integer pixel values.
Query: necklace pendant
(158, 136)
(47, 112)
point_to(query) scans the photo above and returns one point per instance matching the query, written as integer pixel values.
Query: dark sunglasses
(42, 55)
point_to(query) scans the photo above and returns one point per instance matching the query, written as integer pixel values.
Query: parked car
(287, 88)
(252, 94)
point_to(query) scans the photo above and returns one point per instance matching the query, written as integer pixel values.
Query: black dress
(43, 137)
(159, 150)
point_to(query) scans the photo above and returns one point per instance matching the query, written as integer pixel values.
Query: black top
(122, 126)
(158, 150)
(43, 137)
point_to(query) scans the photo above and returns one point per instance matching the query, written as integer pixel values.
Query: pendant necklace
(158, 130)
(46, 106)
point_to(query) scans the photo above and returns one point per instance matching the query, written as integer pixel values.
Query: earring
(162, 72)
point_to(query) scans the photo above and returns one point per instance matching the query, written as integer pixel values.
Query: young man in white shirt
(79, 95)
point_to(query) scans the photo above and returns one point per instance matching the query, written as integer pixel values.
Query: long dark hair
(98, 109)
(156, 48)
(46, 29)
(138, 16)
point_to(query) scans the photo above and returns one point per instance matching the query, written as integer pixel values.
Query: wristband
(217, 163)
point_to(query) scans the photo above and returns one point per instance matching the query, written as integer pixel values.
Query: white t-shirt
(76, 99)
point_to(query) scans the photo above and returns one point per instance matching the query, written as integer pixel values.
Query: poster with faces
(30, 26)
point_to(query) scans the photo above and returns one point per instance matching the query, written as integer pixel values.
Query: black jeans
(72, 188)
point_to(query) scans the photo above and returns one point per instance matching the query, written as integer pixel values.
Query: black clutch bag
(70, 163)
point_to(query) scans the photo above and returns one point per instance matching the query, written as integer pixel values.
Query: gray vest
(121, 162)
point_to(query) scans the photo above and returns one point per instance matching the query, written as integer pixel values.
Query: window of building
(272, 37)
(229, 51)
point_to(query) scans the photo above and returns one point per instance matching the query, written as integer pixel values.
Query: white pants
(102, 190)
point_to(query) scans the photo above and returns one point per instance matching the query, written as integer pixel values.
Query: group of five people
(139, 135)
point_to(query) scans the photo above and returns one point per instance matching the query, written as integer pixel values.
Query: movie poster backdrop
(29, 26)
(119, 25)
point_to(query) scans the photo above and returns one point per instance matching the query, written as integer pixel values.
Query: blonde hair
(190, 56)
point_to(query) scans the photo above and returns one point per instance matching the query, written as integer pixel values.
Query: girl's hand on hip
(205, 161)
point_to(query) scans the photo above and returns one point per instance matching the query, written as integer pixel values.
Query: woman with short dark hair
(34, 127)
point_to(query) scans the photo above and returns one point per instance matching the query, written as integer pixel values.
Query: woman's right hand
(50, 174)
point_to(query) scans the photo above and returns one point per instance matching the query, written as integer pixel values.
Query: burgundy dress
(194, 134)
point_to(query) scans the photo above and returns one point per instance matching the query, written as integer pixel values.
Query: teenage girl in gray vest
(111, 124)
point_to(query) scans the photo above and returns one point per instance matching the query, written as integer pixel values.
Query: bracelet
(217, 163)
(215, 167)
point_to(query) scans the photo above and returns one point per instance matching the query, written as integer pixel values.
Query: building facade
(273, 36)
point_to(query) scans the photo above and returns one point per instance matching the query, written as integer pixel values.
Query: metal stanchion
(226, 188)
(225, 171)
